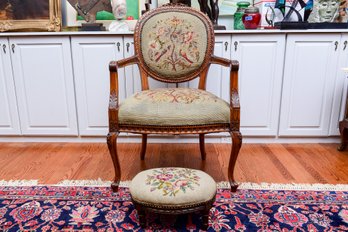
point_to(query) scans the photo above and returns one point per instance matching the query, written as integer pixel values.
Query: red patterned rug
(251, 208)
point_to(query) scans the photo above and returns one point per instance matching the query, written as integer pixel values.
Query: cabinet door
(9, 122)
(308, 88)
(44, 85)
(218, 80)
(92, 56)
(261, 59)
(133, 81)
(340, 92)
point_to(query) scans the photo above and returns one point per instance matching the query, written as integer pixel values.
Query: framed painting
(30, 15)
(133, 11)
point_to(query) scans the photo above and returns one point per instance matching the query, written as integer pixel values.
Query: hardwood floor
(273, 163)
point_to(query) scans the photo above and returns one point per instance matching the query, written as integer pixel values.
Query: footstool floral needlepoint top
(171, 181)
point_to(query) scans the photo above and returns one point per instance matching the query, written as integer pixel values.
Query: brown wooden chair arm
(234, 64)
(114, 65)
(221, 61)
(234, 96)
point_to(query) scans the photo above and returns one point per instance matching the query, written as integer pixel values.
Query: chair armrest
(114, 65)
(113, 99)
(234, 96)
(234, 64)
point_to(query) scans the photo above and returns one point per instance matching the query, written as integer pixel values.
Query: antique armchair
(173, 44)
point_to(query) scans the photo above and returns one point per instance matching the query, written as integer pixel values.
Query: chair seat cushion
(174, 106)
(172, 187)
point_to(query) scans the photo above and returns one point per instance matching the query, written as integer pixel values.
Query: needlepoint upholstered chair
(173, 44)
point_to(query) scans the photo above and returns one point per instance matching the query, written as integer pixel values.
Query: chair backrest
(174, 43)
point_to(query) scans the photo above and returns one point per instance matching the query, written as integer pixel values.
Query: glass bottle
(238, 23)
(251, 18)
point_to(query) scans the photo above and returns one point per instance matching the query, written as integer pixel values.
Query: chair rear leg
(112, 145)
(143, 146)
(236, 145)
(201, 146)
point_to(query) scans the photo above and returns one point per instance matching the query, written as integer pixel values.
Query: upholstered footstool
(173, 191)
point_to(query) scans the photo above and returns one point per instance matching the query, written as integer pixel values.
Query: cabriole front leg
(236, 145)
(112, 145)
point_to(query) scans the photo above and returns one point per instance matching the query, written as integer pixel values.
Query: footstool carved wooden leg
(205, 219)
(141, 215)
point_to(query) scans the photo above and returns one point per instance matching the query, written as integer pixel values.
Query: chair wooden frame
(233, 127)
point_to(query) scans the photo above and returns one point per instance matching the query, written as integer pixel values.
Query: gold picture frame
(48, 18)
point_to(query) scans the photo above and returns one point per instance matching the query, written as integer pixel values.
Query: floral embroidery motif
(259, 219)
(320, 219)
(171, 181)
(51, 214)
(289, 216)
(115, 216)
(84, 215)
(344, 215)
(173, 45)
(26, 211)
(179, 95)
(218, 221)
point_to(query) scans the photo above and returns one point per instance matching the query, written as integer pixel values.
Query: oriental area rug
(72, 206)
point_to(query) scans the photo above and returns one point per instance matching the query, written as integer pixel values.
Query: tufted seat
(174, 106)
(173, 191)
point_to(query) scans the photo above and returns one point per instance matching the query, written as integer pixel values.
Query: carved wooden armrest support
(234, 110)
(113, 100)
(234, 102)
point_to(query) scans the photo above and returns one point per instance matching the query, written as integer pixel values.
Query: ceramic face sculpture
(119, 8)
(325, 11)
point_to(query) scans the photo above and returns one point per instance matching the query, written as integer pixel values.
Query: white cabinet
(290, 84)
(309, 81)
(261, 59)
(44, 85)
(92, 56)
(340, 91)
(218, 80)
(9, 121)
